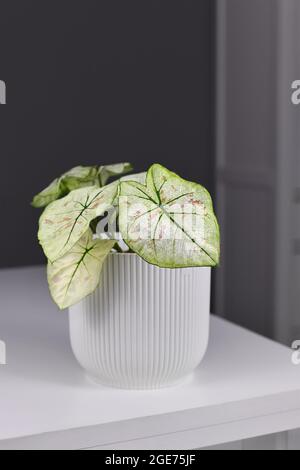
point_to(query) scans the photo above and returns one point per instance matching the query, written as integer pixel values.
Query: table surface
(246, 386)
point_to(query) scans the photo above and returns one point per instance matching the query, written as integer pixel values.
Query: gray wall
(246, 166)
(288, 176)
(100, 81)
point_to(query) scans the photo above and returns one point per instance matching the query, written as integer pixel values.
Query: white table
(246, 386)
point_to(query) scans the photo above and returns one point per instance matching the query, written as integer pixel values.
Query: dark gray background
(99, 82)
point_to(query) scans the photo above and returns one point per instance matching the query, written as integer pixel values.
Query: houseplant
(132, 262)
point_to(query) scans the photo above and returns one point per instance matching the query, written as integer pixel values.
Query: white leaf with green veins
(169, 222)
(78, 177)
(137, 177)
(109, 171)
(48, 195)
(77, 274)
(65, 221)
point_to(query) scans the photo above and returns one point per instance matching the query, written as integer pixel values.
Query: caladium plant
(76, 178)
(164, 219)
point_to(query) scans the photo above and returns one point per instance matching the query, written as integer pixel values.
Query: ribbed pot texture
(144, 327)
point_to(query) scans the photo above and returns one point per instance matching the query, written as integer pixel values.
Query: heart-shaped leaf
(169, 222)
(110, 171)
(137, 177)
(65, 221)
(53, 192)
(79, 177)
(77, 274)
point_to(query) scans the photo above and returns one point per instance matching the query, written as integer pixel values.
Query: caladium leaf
(65, 221)
(76, 178)
(110, 171)
(137, 177)
(51, 193)
(79, 177)
(169, 221)
(77, 274)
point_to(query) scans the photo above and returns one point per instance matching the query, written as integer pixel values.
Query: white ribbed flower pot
(144, 327)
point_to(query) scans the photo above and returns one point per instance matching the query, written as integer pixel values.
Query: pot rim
(127, 255)
(123, 254)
